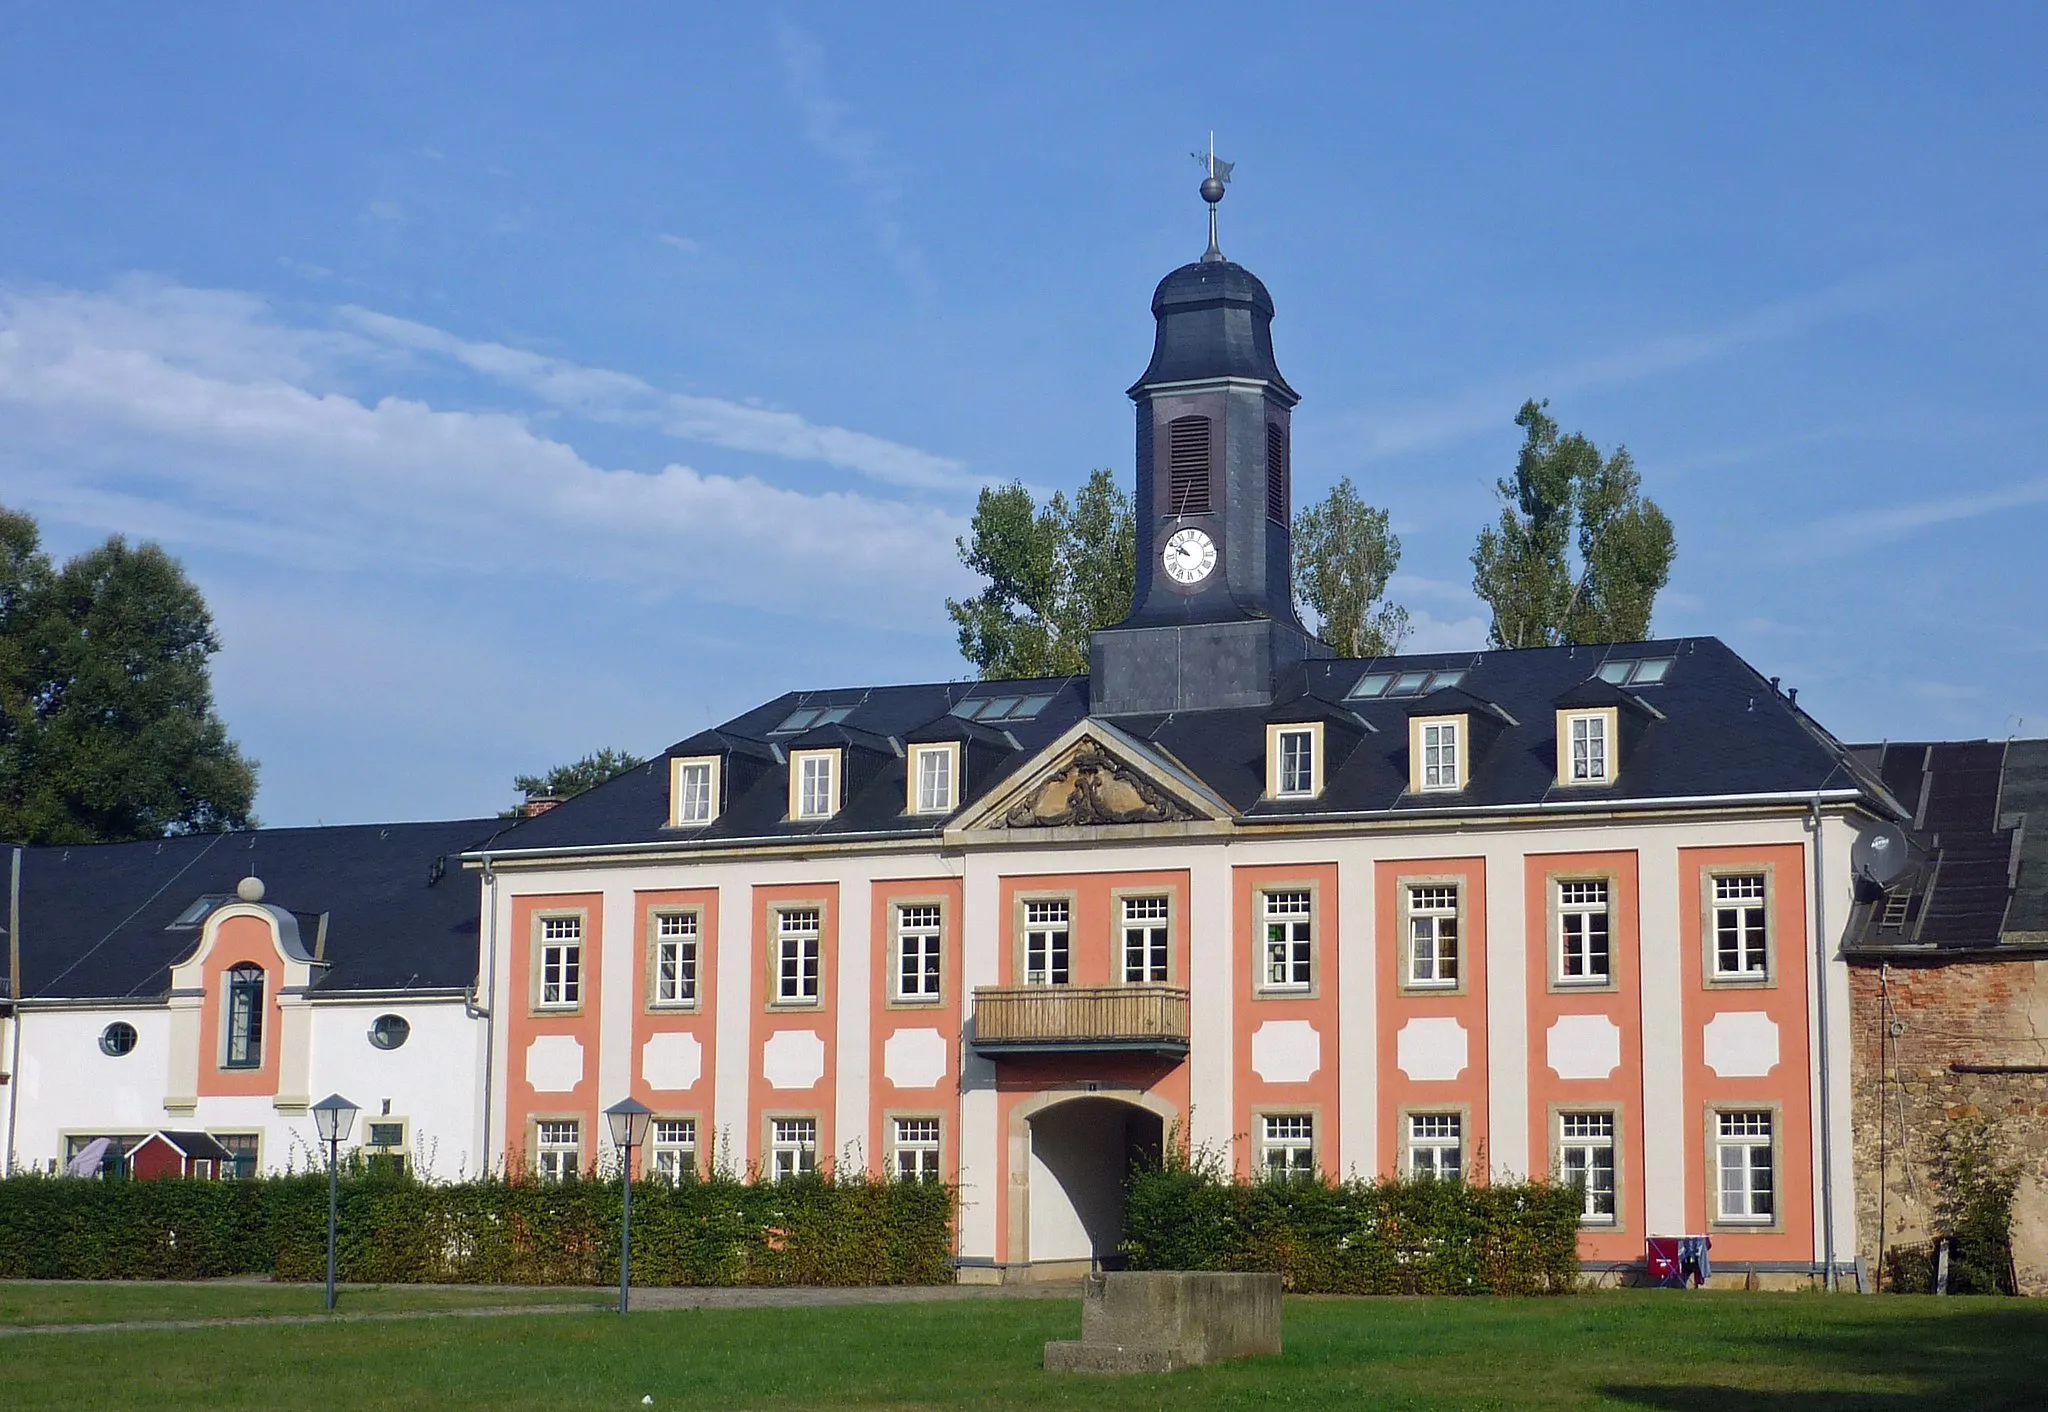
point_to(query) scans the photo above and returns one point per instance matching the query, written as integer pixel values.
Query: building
(1570, 910)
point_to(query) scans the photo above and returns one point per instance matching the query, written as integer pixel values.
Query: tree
(1565, 496)
(568, 781)
(1054, 574)
(1343, 556)
(107, 725)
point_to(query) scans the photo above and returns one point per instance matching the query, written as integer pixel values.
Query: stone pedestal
(1162, 1320)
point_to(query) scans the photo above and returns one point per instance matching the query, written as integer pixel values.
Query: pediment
(1095, 775)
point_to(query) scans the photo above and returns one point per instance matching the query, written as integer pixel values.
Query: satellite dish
(1880, 855)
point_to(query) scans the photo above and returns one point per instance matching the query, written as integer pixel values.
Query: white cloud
(679, 242)
(1859, 530)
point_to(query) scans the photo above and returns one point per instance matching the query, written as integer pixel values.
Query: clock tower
(1212, 622)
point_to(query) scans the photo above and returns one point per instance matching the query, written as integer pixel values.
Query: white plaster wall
(67, 1085)
(432, 1080)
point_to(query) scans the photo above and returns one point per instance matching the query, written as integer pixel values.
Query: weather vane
(1212, 191)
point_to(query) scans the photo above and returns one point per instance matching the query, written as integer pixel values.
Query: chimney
(538, 804)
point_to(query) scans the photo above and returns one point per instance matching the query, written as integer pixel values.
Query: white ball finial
(250, 889)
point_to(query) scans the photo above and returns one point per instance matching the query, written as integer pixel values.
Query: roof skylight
(1645, 671)
(201, 908)
(1000, 708)
(804, 717)
(1374, 685)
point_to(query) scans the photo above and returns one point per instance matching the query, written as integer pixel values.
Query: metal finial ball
(1212, 190)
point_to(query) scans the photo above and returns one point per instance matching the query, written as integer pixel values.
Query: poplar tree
(1344, 553)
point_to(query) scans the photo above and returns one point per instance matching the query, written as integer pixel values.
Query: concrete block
(1160, 1320)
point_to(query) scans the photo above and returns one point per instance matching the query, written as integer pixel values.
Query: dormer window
(1585, 747)
(693, 791)
(934, 769)
(813, 784)
(1437, 745)
(1294, 765)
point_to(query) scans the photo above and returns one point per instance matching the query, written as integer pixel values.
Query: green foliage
(568, 781)
(1975, 1184)
(107, 725)
(1344, 554)
(1054, 574)
(1357, 1237)
(1565, 496)
(394, 1230)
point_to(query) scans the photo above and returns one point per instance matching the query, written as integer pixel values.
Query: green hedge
(810, 1231)
(1358, 1237)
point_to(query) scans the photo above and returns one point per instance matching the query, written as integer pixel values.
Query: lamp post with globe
(333, 1116)
(628, 1118)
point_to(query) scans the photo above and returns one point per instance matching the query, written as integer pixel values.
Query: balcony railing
(1046, 1019)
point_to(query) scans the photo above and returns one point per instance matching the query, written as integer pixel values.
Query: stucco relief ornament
(1095, 788)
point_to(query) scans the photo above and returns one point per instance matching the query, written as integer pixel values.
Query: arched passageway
(1081, 1151)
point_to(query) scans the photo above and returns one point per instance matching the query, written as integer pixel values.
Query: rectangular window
(244, 1047)
(1586, 1157)
(1589, 749)
(918, 938)
(1290, 940)
(241, 1149)
(935, 780)
(816, 796)
(1746, 1161)
(916, 1144)
(1145, 938)
(1433, 936)
(672, 1145)
(1440, 755)
(1287, 1143)
(796, 962)
(1297, 764)
(1436, 1147)
(558, 1149)
(1741, 929)
(1046, 940)
(561, 963)
(1582, 932)
(675, 958)
(792, 1147)
(694, 801)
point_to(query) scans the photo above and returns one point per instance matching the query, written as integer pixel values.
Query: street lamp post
(628, 1118)
(333, 1116)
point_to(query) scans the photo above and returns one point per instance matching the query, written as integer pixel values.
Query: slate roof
(402, 913)
(1978, 834)
(1711, 727)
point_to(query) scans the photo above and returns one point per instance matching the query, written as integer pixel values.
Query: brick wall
(1963, 1012)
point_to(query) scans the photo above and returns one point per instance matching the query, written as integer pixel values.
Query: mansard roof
(1718, 730)
(106, 921)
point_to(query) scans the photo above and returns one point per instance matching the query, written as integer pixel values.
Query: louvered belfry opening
(1187, 466)
(1276, 472)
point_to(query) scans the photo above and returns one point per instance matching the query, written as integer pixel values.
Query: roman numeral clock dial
(1190, 555)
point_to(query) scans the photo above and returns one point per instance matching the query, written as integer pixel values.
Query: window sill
(916, 1002)
(1284, 992)
(1593, 984)
(1747, 982)
(811, 1004)
(673, 1007)
(554, 1012)
(1432, 987)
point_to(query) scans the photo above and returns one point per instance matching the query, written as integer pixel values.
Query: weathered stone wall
(1988, 1012)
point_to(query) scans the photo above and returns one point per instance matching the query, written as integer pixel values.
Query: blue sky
(519, 380)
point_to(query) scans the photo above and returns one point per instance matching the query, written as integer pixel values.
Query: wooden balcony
(1070, 1019)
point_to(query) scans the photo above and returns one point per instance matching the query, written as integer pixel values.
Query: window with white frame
(242, 1046)
(934, 779)
(1440, 755)
(672, 1148)
(817, 795)
(557, 1148)
(1287, 1145)
(796, 960)
(1145, 933)
(1747, 1163)
(918, 939)
(1582, 932)
(1436, 1146)
(1290, 940)
(1585, 1156)
(916, 1144)
(1297, 777)
(675, 958)
(561, 963)
(792, 1147)
(1741, 926)
(1433, 935)
(1588, 737)
(1047, 940)
(695, 791)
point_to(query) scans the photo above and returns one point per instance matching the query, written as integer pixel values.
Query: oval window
(117, 1039)
(390, 1031)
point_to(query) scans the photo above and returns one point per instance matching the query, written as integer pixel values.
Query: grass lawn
(43, 1302)
(1625, 1349)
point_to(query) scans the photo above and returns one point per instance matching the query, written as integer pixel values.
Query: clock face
(1190, 555)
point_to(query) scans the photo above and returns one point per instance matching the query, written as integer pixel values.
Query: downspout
(1827, 1128)
(489, 1011)
(14, 1001)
